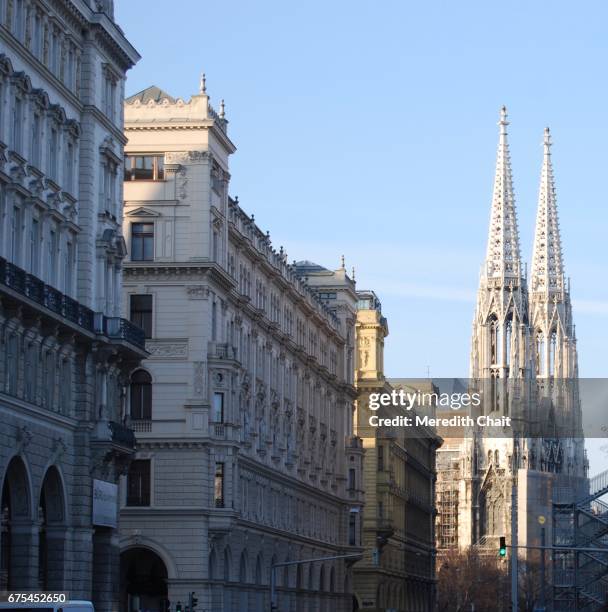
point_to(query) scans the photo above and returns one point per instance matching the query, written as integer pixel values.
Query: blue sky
(369, 129)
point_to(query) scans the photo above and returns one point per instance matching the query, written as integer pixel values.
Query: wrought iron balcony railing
(63, 305)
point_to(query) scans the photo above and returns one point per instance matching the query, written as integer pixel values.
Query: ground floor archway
(143, 580)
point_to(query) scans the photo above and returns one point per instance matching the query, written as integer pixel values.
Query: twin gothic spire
(503, 258)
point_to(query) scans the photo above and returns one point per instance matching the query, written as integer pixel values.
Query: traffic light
(178, 606)
(193, 601)
(502, 547)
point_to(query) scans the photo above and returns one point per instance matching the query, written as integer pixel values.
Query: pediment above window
(142, 211)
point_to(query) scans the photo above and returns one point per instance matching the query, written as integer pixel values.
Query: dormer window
(144, 167)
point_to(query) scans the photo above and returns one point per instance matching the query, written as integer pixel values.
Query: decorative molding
(197, 292)
(167, 349)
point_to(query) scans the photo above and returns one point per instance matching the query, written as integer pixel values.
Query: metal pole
(514, 594)
(542, 568)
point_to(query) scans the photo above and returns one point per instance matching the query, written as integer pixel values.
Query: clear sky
(369, 129)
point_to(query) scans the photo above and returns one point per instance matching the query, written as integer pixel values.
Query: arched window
(508, 341)
(497, 458)
(540, 354)
(243, 567)
(212, 565)
(552, 345)
(227, 558)
(141, 396)
(258, 570)
(493, 339)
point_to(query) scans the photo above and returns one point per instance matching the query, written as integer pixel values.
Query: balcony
(120, 329)
(63, 305)
(141, 426)
(221, 350)
(114, 438)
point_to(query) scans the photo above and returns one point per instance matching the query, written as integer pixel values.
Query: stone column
(24, 555)
(55, 558)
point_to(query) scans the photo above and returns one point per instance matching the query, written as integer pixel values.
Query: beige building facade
(397, 572)
(244, 410)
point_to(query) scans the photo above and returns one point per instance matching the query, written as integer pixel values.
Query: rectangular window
(352, 480)
(53, 152)
(35, 140)
(16, 236)
(138, 483)
(69, 168)
(141, 313)
(218, 490)
(218, 407)
(68, 267)
(17, 124)
(142, 242)
(34, 246)
(144, 167)
(52, 261)
(380, 458)
(37, 37)
(352, 529)
(141, 397)
(213, 321)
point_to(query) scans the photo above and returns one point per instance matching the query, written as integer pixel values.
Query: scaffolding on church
(446, 491)
(580, 577)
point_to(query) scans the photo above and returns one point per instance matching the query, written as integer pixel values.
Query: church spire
(547, 265)
(503, 256)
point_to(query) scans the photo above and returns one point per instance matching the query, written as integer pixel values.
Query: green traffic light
(502, 549)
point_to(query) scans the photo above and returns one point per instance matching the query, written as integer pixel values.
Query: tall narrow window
(17, 124)
(52, 261)
(380, 452)
(53, 152)
(352, 528)
(16, 235)
(218, 407)
(141, 396)
(69, 168)
(35, 140)
(352, 480)
(213, 320)
(68, 266)
(218, 489)
(142, 242)
(138, 483)
(552, 346)
(141, 313)
(34, 246)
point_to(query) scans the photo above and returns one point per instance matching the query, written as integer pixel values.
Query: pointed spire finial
(342, 263)
(547, 141)
(222, 110)
(503, 121)
(352, 275)
(203, 84)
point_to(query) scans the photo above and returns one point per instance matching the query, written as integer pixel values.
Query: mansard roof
(152, 93)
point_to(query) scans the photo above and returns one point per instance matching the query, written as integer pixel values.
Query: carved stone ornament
(24, 437)
(199, 378)
(167, 349)
(197, 292)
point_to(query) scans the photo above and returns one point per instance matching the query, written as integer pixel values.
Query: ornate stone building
(244, 410)
(65, 354)
(397, 571)
(524, 362)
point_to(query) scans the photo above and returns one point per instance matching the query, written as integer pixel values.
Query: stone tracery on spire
(547, 264)
(503, 253)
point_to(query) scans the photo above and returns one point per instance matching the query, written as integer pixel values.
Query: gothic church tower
(523, 361)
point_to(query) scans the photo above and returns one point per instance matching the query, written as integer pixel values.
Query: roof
(150, 93)
(306, 267)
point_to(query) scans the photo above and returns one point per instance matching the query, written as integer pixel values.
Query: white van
(66, 606)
